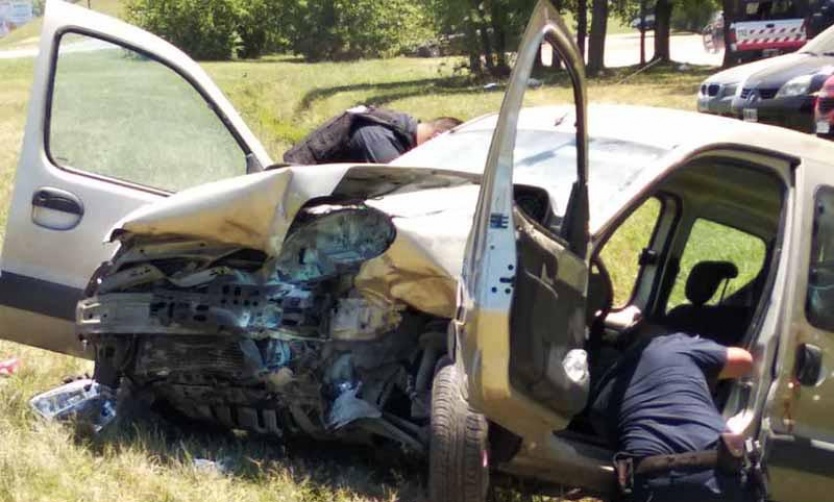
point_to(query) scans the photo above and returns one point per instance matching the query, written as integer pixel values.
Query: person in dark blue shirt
(657, 400)
(380, 144)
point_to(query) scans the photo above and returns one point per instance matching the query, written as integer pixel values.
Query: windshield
(546, 159)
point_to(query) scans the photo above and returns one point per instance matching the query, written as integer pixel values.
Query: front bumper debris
(84, 401)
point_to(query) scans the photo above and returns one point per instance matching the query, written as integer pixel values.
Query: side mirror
(808, 366)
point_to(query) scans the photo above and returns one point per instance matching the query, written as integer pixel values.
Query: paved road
(624, 50)
(80, 46)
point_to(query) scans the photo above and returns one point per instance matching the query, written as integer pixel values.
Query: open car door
(117, 118)
(521, 326)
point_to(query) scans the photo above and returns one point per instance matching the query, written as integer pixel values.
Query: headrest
(705, 278)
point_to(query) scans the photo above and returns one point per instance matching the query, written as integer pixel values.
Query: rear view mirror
(808, 368)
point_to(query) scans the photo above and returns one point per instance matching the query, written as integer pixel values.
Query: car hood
(431, 210)
(776, 76)
(739, 73)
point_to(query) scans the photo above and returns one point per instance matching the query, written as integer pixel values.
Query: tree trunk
(729, 16)
(472, 46)
(486, 45)
(643, 33)
(599, 28)
(499, 21)
(662, 21)
(582, 26)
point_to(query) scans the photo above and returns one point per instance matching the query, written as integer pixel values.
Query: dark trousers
(690, 486)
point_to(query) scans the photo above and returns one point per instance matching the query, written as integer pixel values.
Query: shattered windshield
(546, 159)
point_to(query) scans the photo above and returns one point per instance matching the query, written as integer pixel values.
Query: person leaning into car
(656, 405)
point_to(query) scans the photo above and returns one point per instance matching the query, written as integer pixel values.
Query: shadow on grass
(404, 88)
(323, 468)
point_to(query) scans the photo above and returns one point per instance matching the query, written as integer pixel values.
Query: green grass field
(281, 99)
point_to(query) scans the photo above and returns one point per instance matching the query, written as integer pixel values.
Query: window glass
(621, 253)
(710, 241)
(119, 114)
(819, 305)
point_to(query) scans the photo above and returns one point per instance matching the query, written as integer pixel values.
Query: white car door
(521, 325)
(118, 118)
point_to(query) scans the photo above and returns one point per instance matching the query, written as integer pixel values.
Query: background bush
(315, 29)
(352, 29)
(205, 29)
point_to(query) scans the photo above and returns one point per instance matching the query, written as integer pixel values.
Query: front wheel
(459, 447)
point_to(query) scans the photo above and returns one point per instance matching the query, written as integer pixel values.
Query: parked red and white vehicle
(767, 28)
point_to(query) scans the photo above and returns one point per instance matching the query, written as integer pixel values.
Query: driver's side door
(521, 325)
(118, 118)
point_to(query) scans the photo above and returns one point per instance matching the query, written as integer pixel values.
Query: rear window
(767, 11)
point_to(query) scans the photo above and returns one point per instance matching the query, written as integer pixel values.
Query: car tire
(458, 444)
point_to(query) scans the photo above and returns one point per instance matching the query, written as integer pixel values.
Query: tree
(581, 25)
(596, 44)
(662, 29)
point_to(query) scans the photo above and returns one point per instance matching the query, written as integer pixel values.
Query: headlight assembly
(796, 86)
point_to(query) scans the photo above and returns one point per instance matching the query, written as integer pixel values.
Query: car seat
(722, 323)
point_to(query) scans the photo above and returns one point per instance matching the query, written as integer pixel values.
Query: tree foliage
(206, 29)
(351, 29)
(316, 29)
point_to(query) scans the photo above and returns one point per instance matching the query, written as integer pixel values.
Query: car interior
(695, 255)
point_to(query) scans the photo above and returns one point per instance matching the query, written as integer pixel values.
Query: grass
(281, 99)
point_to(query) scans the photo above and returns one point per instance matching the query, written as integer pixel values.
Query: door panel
(98, 145)
(517, 368)
(798, 430)
(549, 291)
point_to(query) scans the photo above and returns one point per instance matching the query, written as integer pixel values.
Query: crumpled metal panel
(422, 265)
(252, 211)
(255, 211)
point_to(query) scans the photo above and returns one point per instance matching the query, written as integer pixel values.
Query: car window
(621, 253)
(711, 241)
(119, 114)
(819, 304)
(769, 10)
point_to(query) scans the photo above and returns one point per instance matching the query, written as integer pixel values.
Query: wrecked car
(460, 302)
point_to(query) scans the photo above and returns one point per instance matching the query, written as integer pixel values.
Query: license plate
(750, 115)
(823, 127)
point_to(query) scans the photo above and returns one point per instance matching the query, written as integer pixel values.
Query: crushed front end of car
(283, 306)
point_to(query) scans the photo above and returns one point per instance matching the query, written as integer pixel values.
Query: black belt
(666, 463)
(728, 458)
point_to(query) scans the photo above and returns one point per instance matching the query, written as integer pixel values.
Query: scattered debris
(492, 86)
(222, 466)
(9, 367)
(83, 400)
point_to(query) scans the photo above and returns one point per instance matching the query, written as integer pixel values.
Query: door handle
(808, 366)
(56, 209)
(59, 200)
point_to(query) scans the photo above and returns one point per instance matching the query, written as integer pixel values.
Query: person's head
(432, 128)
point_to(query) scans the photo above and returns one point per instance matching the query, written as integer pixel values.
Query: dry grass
(281, 99)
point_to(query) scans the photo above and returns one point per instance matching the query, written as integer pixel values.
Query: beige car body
(39, 286)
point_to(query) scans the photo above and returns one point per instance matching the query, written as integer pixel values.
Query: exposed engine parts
(277, 345)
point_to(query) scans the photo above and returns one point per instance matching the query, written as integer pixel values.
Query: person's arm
(739, 363)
